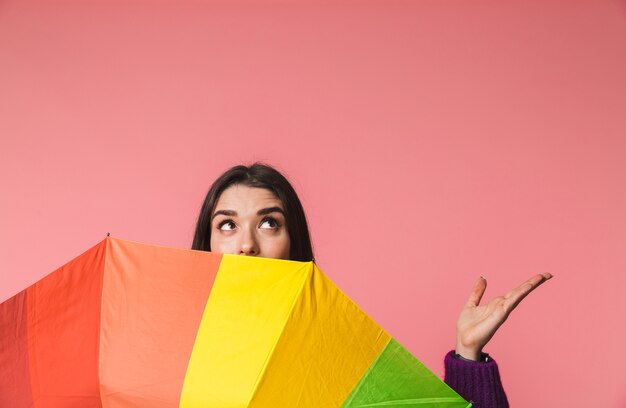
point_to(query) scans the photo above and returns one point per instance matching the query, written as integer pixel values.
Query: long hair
(260, 176)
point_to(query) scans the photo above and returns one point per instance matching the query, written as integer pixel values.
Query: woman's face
(249, 221)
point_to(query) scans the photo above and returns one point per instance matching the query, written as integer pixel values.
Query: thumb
(477, 293)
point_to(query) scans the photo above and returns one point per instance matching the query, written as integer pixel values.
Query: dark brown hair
(261, 176)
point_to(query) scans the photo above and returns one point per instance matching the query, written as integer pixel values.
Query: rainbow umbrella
(134, 325)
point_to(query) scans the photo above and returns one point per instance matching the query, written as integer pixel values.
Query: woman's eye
(269, 223)
(226, 226)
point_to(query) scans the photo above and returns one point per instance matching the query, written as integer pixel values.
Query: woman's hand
(478, 323)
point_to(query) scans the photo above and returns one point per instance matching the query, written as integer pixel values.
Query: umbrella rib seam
(308, 276)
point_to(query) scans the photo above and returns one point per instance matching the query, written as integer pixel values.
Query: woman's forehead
(241, 198)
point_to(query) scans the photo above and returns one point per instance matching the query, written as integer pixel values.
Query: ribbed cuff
(477, 382)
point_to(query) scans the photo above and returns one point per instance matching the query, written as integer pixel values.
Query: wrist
(468, 353)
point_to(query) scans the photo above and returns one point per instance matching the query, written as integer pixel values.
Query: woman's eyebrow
(270, 210)
(229, 213)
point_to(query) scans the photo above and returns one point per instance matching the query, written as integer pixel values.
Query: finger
(477, 293)
(515, 296)
(529, 285)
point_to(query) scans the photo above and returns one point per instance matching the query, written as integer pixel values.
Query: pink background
(431, 142)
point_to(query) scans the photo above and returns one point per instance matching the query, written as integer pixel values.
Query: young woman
(255, 211)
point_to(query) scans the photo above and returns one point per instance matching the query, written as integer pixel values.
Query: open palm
(478, 323)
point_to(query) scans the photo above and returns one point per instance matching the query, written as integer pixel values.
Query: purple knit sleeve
(477, 382)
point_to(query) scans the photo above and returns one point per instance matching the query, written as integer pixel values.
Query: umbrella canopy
(134, 325)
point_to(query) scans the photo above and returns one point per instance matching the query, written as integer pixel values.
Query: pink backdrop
(431, 142)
